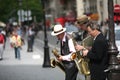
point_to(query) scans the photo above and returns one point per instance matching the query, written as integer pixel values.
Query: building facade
(58, 8)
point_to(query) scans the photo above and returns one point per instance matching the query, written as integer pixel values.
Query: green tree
(9, 8)
(6, 9)
(35, 7)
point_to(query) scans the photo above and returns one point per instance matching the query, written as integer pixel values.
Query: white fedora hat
(58, 29)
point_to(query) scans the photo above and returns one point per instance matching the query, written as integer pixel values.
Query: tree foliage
(9, 8)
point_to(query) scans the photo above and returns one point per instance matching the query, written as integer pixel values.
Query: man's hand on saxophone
(84, 52)
(59, 58)
(65, 57)
(81, 48)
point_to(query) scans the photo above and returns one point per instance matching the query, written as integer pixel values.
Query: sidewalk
(27, 58)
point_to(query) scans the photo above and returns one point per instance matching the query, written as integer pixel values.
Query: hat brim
(55, 34)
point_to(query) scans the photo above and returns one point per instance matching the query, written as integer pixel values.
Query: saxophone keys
(79, 60)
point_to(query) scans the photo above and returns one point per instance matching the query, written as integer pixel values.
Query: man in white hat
(67, 48)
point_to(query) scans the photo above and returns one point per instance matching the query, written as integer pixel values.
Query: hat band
(82, 22)
(58, 31)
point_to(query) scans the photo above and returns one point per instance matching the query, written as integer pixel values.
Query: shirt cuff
(67, 57)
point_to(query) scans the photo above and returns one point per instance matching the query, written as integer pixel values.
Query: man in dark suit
(98, 53)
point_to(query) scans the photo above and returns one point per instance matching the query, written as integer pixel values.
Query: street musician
(97, 55)
(67, 48)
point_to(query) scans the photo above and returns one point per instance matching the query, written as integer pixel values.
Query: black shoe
(31, 50)
(1, 58)
(28, 50)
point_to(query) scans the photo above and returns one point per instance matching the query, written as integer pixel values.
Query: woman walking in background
(16, 43)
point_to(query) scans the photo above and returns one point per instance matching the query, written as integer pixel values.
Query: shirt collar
(96, 36)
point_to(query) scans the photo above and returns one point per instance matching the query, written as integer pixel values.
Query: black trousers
(30, 43)
(71, 70)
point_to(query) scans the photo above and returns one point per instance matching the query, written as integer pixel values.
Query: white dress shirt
(71, 48)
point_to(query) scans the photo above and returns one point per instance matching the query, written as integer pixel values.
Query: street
(29, 72)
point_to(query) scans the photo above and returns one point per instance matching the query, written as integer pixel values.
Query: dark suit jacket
(98, 58)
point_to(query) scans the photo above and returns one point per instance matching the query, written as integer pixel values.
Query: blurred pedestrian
(3, 32)
(2, 40)
(97, 55)
(31, 36)
(15, 42)
(70, 27)
(105, 29)
(61, 20)
(67, 48)
(20, 33)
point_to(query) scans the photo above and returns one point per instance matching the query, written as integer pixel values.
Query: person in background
(67, 48)
(61, 20)
(70, 27)
(15, 42)
(20, 33)
(2, 40)
(31, 36)
(3, 32)
(105, 29)
(97, 55)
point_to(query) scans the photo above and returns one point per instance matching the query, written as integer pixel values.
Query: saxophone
(81, 62)
(54, 62)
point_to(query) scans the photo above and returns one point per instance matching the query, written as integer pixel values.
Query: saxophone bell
(55, 63)
(73, 56)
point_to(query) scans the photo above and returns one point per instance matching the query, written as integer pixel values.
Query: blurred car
(117, 38)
